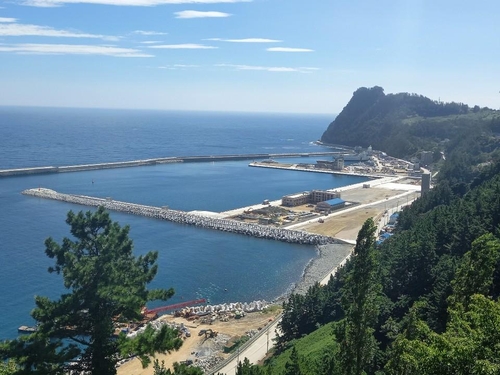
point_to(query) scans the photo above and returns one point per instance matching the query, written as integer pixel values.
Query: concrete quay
(154, 161)
(295, 167)
(181, 217)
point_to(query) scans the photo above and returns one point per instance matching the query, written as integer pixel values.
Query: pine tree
(292, 367)
(106, 282)
(355, 333)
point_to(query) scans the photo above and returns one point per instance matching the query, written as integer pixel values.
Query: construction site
(210, 334)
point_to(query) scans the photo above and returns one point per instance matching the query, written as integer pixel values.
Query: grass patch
(311, 350)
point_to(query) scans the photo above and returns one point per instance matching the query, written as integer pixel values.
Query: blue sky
(253, 55)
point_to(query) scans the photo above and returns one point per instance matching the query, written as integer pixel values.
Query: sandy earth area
(341, 225)
(347, 225)
(200, 349)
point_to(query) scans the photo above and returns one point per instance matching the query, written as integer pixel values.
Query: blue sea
(197, 263)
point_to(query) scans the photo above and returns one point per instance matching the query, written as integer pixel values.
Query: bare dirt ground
(343, 226)
(200, 348)
(347, 225)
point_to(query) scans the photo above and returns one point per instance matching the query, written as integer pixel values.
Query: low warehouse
(330, 205)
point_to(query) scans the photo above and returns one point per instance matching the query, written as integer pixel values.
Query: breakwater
(145, 162)
(181, 217)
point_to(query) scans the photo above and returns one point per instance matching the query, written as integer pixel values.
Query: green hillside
(403, 124)
(425, 301)
(314, 350)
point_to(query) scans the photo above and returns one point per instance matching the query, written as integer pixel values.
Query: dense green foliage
(8, 368)
(316, 351)
(359, 302)
(403, 124)
(434, 287)
(179, 369)
(106, 282)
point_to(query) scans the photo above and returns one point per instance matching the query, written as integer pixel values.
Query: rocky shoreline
(330, 256)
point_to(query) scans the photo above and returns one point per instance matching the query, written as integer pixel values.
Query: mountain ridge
(403, 124)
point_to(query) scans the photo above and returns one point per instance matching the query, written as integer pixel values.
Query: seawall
(181, 217)
(138, 163)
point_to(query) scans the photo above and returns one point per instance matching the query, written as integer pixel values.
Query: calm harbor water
(195, 262)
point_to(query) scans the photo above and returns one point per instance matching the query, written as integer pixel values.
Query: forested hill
(404, 124)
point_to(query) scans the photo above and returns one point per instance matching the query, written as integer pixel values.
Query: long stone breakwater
(225, 225)
(149, 162)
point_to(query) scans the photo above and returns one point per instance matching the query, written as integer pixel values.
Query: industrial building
(336, 165)
(330, 205)
(314, 196)
(323, 195)
(295, 199)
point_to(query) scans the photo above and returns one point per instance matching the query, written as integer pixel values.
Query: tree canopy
(435, 283)
(106, 285)
(403, 124)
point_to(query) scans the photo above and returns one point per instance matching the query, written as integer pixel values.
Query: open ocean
(197, 263)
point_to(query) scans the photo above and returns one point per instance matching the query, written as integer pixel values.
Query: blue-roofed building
(330, 205)
(393, 218)
(383, 237)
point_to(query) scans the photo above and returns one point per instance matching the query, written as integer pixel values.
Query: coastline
(330, 256)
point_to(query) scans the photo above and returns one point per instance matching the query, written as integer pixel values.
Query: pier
(181, 217)
(154, 161)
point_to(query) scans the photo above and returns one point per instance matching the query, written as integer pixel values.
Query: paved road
(256, 351)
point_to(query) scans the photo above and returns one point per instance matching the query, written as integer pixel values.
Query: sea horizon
(238, 112)
(197, 263)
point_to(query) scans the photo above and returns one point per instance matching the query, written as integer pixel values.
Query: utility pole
(267, 350)
(237, 361)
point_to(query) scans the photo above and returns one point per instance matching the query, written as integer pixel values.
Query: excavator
(208, 333)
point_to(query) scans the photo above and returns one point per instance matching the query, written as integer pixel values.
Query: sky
(292, 56)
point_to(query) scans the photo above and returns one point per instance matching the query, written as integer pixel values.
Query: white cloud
(145, 3)
(17, 29)
(151, 42)
(287, 49)
(71, 49)
(183, 46)
(143, 32)
(7, 20)
(178, 66)
(197, 14)
(267, 68)
(246, 40)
